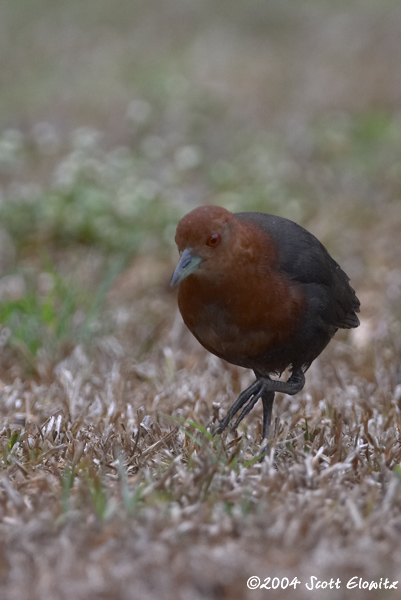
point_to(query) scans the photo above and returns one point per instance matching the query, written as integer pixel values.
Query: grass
(115, 120)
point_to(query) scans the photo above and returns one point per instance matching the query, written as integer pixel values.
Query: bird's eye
(214, 240)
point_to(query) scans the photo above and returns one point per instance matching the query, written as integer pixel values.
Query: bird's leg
(297, 383)
(267, 400)
(264, 388)
(246, 410)
(293, 385)
(253, 390)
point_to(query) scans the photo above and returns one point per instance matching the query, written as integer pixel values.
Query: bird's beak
(188, 263)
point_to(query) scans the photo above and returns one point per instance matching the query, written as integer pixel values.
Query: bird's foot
(251, 394)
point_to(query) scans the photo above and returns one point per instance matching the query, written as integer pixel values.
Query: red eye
(214, 240)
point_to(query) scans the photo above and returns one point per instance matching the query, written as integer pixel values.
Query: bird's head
(204, 240)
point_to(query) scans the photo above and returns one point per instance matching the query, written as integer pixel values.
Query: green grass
(93, 197)
(57, 317)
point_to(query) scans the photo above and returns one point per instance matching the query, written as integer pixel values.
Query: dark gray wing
(305, 260)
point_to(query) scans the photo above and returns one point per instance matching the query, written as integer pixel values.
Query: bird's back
(331, 302)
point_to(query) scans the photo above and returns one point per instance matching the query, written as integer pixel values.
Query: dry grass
(111, 484)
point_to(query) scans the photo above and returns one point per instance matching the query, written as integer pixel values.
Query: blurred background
(117, 117)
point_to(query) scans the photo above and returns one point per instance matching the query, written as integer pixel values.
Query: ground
(116, 118)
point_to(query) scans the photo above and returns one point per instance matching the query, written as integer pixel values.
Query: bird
(259, 291)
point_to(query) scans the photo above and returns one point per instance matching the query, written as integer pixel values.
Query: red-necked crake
(261, 292)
